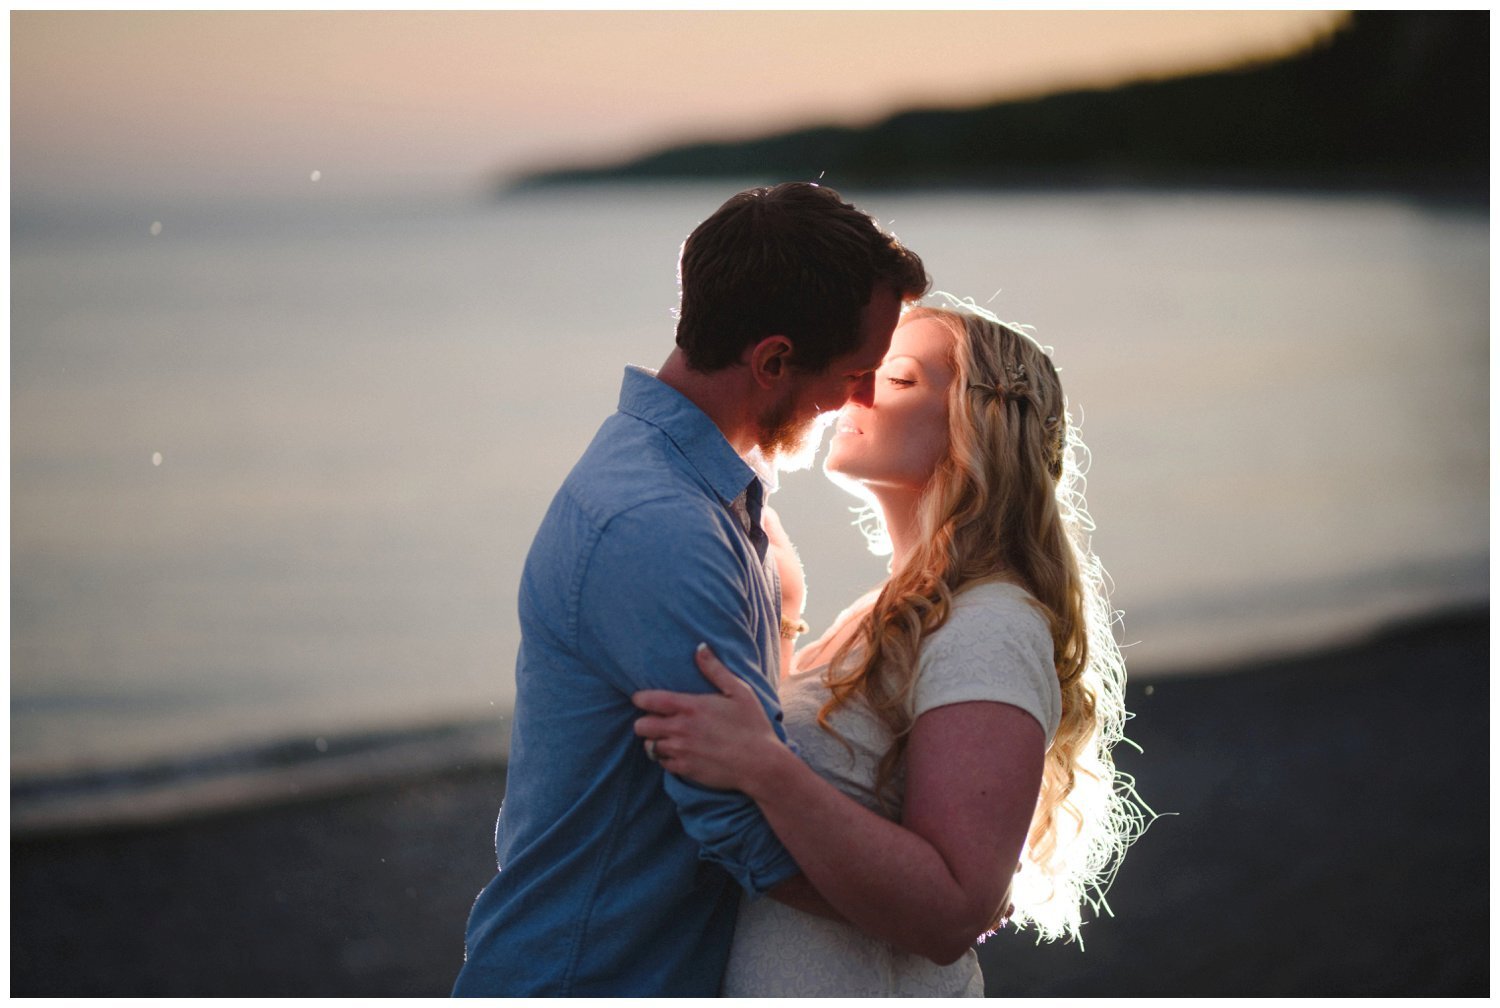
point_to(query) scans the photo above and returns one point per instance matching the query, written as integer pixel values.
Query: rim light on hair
(1007, 503)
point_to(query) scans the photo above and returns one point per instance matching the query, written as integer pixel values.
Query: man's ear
(770, 360)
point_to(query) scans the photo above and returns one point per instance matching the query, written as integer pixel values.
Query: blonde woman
(954, 725)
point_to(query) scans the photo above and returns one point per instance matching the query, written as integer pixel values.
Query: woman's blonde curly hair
(1006, 504)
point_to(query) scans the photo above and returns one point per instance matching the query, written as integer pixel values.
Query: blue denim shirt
(617, 878)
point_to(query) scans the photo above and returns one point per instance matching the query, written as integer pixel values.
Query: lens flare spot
(156, 458)
(316, 175)
(155, 228)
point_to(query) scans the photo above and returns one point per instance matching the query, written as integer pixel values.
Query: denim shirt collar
(648, 398)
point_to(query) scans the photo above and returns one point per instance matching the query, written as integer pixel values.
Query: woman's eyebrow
(908, 357)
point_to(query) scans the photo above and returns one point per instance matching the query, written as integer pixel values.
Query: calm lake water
(274, 468)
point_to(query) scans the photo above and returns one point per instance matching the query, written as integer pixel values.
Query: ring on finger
(651, 750)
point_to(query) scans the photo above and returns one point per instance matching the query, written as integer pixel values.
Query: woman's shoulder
(995, 645)
(994, 608)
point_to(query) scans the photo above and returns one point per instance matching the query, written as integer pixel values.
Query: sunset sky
(120, 102)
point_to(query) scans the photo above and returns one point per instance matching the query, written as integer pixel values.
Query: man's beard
(787, 442)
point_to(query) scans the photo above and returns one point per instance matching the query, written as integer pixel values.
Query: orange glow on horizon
(262, 98)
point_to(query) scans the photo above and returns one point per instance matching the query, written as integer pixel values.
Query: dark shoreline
(1324, 116)
(1322, 833)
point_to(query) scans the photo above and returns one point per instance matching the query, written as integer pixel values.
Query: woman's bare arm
(929, 884)
(799, 893)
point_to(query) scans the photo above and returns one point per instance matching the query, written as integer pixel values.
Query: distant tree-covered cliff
(1394, 99)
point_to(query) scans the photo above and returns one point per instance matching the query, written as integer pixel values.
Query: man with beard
(615, 877)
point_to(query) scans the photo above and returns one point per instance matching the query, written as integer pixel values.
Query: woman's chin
(844, 473)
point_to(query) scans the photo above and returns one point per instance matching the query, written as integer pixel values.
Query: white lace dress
(995, 646)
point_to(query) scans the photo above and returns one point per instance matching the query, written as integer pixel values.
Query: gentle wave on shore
(206, 783)
(303, 769)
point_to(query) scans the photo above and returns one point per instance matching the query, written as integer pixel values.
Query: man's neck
(723, 396)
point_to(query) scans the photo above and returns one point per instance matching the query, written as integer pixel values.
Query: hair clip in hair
(1005, 394)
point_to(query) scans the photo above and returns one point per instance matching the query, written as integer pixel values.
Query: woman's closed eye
(900, 382)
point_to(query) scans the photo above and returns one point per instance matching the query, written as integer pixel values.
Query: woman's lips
(845, 427)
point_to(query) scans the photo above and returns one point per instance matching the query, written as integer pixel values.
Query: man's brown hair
(792, 260)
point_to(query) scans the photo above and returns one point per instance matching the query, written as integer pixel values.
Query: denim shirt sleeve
(659, 579)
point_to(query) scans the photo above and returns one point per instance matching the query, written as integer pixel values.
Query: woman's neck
(898, 508)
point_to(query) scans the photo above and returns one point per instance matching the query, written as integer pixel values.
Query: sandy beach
(1324, 831)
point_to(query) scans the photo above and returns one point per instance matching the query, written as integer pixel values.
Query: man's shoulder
(632, 469)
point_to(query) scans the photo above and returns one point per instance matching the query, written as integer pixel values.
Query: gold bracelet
(792, 629)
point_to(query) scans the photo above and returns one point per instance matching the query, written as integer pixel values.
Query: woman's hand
(788, 566)
(793, 584)
(719, 740)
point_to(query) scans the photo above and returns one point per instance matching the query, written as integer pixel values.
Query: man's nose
(864, 391)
